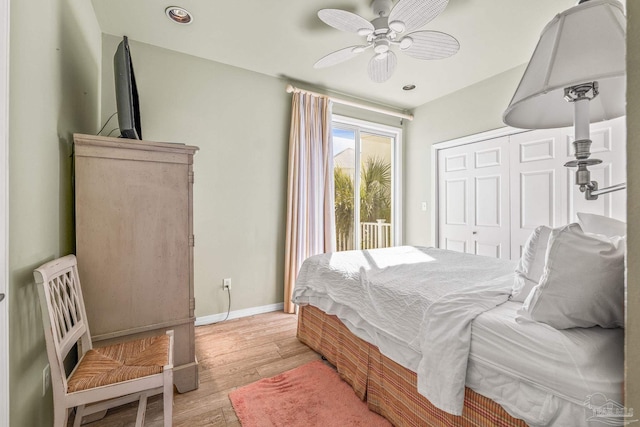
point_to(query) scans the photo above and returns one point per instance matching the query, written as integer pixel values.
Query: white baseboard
(245, 312)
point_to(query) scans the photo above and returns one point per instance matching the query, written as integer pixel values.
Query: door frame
(396, 167)
(4, 211)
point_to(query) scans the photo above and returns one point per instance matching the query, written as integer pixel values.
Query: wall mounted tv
(127, 103)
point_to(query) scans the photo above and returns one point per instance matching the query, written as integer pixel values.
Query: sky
(342, 139)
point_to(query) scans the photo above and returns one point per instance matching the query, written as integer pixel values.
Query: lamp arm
(592, 192)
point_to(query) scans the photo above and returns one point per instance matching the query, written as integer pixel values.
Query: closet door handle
(1, 297)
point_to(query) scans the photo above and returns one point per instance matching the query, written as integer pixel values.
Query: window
(366, 161)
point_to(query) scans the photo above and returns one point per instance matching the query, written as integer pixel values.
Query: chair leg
(78, 419)
(142, 409)
(167, 396)
(60, 416)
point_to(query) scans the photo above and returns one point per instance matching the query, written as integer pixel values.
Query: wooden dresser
(134, 242)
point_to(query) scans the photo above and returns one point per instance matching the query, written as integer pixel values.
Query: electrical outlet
(46, 379)
(226, 283)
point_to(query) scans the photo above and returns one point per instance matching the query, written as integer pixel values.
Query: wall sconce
(576, 76)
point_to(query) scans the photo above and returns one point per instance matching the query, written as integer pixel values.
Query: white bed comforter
(412, 295)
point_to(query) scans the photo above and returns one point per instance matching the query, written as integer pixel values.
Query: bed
(433, 337)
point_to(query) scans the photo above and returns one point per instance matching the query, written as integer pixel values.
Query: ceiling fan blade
(382, 66)
(408, 15)
(345, 21)
(430, 45)
(338, 56)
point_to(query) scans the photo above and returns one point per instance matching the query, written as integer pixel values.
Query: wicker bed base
(389, 389)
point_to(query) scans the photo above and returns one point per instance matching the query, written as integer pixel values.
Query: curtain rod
(291, 88)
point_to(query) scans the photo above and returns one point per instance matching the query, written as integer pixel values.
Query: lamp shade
(583, 44)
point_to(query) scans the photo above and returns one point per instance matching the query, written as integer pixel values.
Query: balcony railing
(372, 235)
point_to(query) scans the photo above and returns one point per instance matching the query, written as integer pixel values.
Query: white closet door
(538, 183)
(493, 193)
(473, 194)
(543, 190)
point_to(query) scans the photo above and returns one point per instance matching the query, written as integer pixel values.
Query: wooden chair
(103, 377)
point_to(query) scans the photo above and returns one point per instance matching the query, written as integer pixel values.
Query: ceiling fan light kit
(397, 26)
(406, 43)
(388, 30)
(381, 46)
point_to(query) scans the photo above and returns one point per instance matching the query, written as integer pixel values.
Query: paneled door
(473, 198)
(538, 183)
(543, 190)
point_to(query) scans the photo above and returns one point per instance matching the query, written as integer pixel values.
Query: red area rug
(310, 395)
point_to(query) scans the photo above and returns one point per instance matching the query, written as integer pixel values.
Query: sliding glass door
(367, 184)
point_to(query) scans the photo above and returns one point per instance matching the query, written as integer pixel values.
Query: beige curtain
(310, 212)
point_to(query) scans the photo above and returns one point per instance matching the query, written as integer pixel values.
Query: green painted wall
(54, 91)
(240, 120)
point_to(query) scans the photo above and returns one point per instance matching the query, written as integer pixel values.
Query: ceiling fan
(390, 29)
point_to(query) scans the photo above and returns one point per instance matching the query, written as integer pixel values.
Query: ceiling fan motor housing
(381, 25)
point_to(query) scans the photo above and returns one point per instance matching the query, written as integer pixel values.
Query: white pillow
(598, 224)
(531, 265)
(582, 284)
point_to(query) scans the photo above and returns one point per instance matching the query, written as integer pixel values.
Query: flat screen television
(127, 103)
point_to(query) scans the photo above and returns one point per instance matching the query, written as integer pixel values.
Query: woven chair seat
(120, 362)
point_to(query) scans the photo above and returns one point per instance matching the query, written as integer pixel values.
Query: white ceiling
(284, 38)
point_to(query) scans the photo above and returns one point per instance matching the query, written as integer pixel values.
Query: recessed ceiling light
(408, 87)
(179, 14)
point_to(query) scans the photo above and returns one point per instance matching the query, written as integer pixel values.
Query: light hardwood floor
(230, 354)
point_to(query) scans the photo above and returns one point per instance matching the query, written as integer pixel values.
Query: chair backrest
(63, 313)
